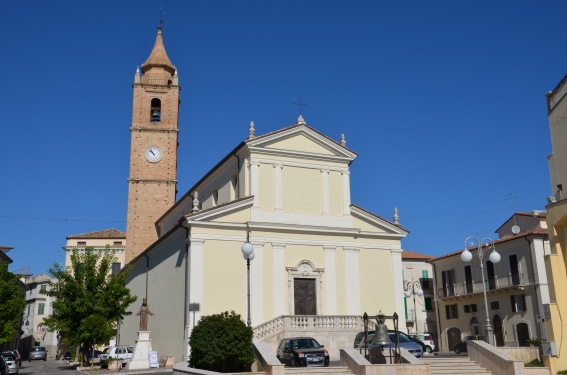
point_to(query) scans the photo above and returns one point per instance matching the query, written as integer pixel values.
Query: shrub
(535, 363)
(222, 343)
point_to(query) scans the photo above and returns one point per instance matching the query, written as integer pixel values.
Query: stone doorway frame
(305, 270)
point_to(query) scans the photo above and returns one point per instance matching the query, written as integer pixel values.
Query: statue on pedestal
(143, 314)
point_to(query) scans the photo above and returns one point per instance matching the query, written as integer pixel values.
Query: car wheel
(292, 363)
(428, 349)
(457, 351)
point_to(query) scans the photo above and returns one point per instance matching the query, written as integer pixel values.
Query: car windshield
(8, 357)
(305, 343)
(39, 349)
(402, 338)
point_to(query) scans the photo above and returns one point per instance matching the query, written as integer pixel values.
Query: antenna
(299, 104)
(512, 198)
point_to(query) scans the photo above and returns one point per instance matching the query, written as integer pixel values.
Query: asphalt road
(49, 367)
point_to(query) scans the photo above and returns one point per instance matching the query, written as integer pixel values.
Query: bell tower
(152, 184)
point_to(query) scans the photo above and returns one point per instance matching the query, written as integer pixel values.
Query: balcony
(472, 289)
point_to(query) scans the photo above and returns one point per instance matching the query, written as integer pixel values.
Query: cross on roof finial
(299, 105)
(161, 14)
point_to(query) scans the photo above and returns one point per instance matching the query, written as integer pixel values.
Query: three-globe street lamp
(414, 288)
(248, 254)
(466, 256)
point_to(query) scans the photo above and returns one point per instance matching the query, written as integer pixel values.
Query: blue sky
(444, 102)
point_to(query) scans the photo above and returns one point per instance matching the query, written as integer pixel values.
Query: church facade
(287, 193)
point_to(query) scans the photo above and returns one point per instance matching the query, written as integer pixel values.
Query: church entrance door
(305, 299)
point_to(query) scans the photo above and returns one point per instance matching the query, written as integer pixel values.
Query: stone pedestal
(141, 358)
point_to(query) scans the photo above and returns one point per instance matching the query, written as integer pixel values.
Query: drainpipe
(147, 272)
(187, 293)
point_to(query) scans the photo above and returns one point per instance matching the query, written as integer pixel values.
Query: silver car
(11, 362)
(38, 352)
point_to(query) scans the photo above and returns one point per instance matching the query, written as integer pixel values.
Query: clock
(153, 154)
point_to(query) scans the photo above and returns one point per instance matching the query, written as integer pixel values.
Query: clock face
(153, 154)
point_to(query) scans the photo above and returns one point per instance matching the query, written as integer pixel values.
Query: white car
(123, 353)
(427, 339)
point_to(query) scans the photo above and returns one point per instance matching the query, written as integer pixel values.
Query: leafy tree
(12, 303)
(222, 342)
(89, 300)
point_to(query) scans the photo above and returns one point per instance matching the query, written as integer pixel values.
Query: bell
(381, 336)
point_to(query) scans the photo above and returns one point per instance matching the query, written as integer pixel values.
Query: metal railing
(476, 286)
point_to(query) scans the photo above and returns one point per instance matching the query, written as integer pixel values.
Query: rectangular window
(117, 243)
(451, 311)
(494, 305)
(473, 307)
(428, 303)
(467, 308)
(424, 274)
(115, 268)
(518, 302)
(448, 281)
(43, 287)
(41, 309)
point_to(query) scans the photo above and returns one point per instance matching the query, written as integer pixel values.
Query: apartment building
(516, 286)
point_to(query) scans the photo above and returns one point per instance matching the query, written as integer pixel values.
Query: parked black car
(3, 366)
(302, 351)
(461, 347)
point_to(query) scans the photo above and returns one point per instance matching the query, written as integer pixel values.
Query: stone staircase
(331, 370)
(450, 365)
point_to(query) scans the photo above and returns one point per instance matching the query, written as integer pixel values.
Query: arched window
(155, 111)
(475, 328)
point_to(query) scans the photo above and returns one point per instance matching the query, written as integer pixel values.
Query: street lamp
(248, 254)
(466, 256)
(414, 288)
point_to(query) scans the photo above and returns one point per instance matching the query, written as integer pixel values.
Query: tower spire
(158, 57)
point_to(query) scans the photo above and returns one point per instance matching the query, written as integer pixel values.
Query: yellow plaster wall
(376, 275)
(266, 186)
(301, 190)
(300, 143)
(336, 197)
(226, 278)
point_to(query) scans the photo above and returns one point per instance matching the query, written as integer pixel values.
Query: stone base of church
(141, 358)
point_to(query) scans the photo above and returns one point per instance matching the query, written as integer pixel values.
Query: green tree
(12, 303)
(89, 300)
(222, 342)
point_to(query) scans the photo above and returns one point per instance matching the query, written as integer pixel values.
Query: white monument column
(196, 247)
(399, 287)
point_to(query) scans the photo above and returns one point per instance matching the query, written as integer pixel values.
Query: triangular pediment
(371, 223)
(300, 140)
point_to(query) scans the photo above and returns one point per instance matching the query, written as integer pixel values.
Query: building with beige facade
(419, 309)
(555, 352)
(38, 307)
(516, 287)
(102, 240)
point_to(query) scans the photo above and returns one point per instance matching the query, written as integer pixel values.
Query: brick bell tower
(152, 184)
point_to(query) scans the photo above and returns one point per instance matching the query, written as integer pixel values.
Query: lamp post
(466, 256)
(248, 254)
(414, 288)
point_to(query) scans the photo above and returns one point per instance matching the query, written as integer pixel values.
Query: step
(312, 370)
